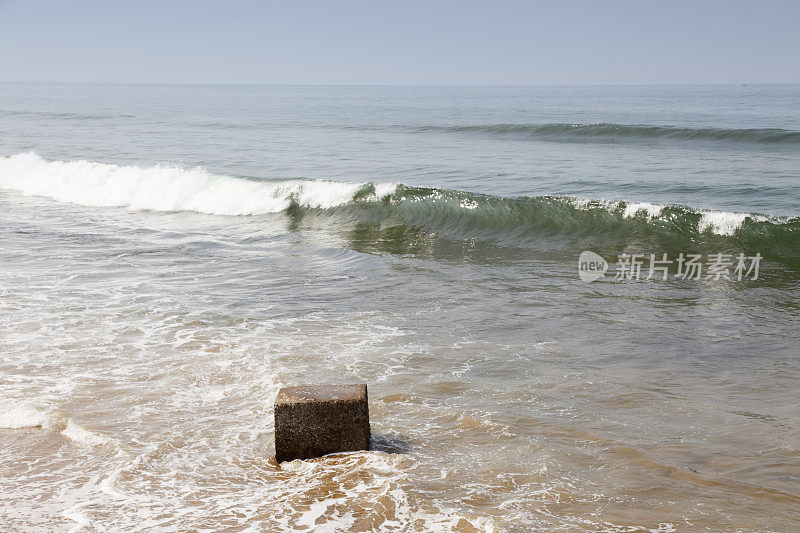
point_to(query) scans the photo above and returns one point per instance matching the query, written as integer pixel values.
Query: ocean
(173, 255)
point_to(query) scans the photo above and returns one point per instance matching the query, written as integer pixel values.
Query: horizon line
(259, 84)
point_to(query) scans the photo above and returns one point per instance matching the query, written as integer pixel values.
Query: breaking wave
(166, 188)
(450, 213)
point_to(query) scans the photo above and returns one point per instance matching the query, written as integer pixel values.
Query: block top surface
(321, 393)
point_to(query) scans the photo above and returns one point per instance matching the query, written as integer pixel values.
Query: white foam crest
(383, 190)
(721, 222)
(165, 188)
(21, 416)
(585, 204)
(630, 211)
(589, 203)
(83, 436)
(718, 222)
(651, 210)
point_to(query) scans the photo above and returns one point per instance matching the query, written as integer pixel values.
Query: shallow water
(399, 237)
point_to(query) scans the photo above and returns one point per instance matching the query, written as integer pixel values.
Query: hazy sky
(401, 42)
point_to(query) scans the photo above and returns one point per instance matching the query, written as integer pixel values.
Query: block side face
(305, 430)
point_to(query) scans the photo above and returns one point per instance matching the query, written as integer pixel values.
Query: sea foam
(166, 188)
(80, 435)
(21, 416)
(720, 222)
(652, 211)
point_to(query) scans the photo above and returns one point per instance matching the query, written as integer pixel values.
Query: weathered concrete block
(315, 420)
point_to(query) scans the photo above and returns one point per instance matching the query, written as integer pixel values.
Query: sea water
(170, 256)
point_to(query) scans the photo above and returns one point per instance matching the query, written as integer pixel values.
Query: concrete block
(314, 420)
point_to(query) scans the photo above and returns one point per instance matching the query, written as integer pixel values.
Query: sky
(405, 42)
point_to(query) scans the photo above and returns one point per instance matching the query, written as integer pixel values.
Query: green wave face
(526, 221)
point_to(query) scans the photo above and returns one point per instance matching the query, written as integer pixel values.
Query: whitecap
(721, 222)
(651, 210)
(166, 188)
